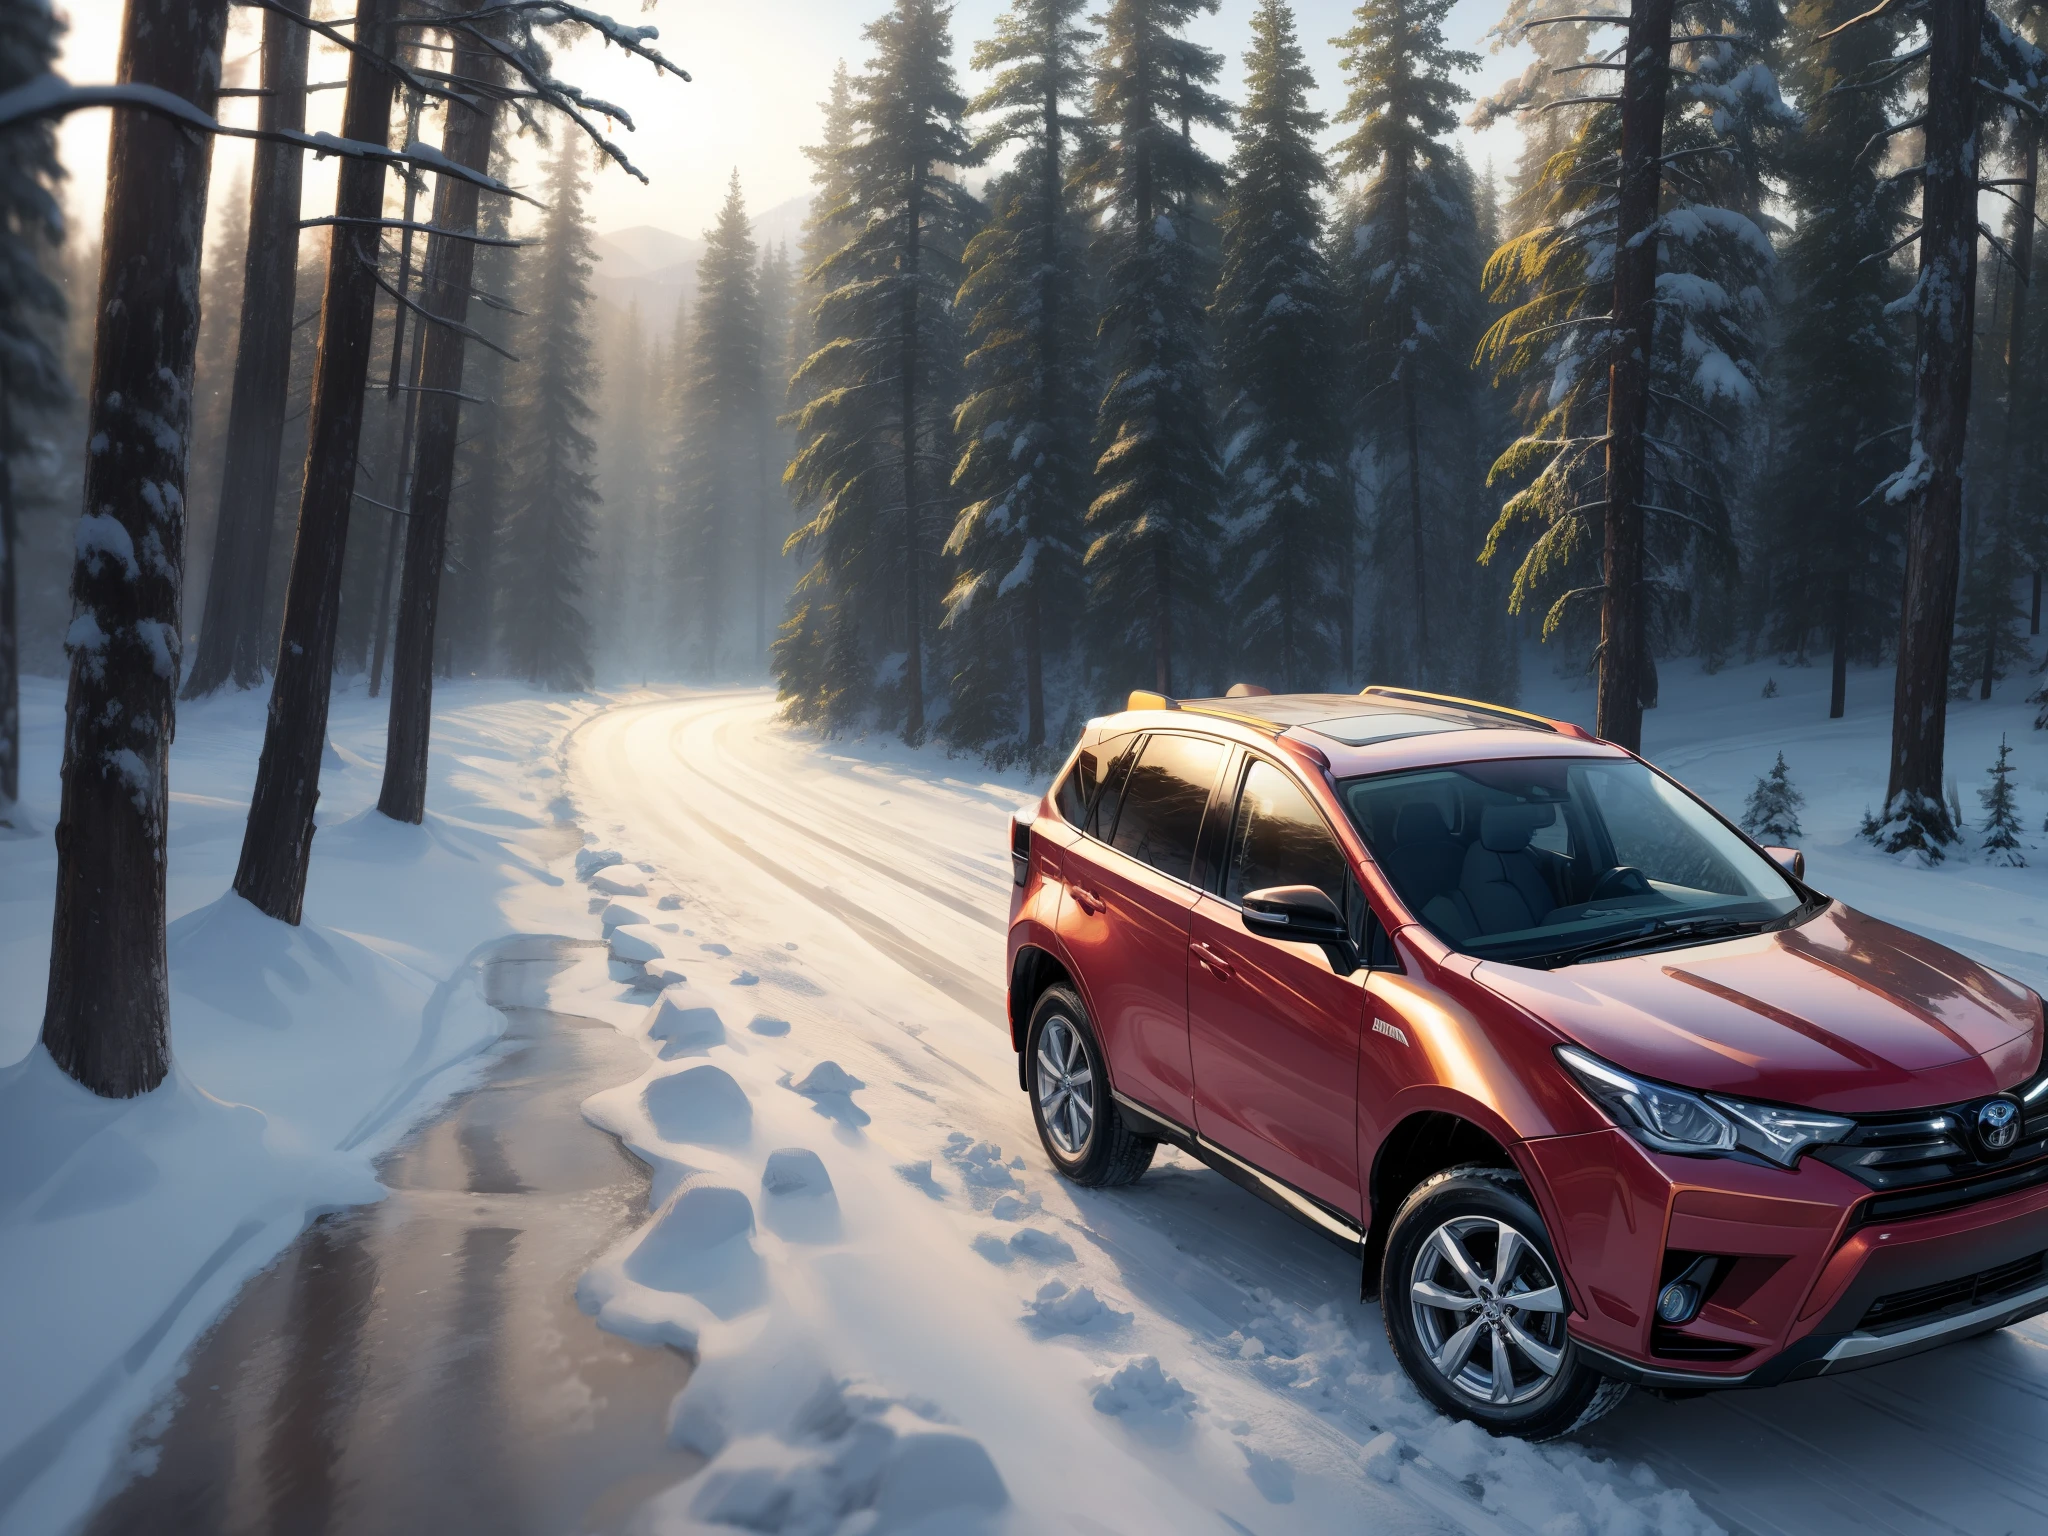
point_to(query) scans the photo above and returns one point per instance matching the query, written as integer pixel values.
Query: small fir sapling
(1770, 687)
(1772, 814)
(2001, 818)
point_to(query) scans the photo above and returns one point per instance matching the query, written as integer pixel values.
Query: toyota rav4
(1602, 1092)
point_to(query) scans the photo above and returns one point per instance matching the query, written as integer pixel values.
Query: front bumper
(1811, 1293)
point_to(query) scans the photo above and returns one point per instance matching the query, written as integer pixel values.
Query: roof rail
(1476, 706)
(1142, 698)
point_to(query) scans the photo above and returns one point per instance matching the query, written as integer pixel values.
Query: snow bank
(300, 1054)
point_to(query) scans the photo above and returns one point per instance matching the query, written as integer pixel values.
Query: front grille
(1904, 1309)
(1951, 1197)
(1914, 1148)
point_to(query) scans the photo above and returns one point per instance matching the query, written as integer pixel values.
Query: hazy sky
(760, 67)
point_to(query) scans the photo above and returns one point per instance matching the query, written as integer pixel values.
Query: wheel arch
(1033, 969)
(1424, 1142)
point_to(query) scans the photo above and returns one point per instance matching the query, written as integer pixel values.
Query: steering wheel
(1622, 880)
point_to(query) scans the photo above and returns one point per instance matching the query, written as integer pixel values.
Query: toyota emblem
(1998, 1124)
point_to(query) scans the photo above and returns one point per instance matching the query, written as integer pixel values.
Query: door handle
(1088, 901)
(1221, 968)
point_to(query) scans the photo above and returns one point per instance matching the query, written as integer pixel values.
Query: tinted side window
(1164, 801)
(1102, 820)
(1077, 790)
(1277, 838)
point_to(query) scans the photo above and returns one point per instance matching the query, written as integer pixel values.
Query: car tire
(1078, 1123)
(1512, 1370)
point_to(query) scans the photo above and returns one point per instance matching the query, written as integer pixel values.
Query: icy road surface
(1171, 1357)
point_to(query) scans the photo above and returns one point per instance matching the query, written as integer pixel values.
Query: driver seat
(1503, 887)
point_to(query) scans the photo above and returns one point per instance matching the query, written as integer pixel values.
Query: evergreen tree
(881, 387)
(1828, 564)
(543, 634)
(1277, 324)
(1772, 814)
(1023, 428)
(718, 493)
(771, 517)
(31, 324)
(1412, 280)
(1990, 624)
(1569, 324)
(2001, 815)
(1153, 525)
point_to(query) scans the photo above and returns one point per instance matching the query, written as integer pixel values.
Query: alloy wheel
(1066, 1086)
(1488, 1311)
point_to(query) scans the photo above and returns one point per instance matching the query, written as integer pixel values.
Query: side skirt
(1334, 1225)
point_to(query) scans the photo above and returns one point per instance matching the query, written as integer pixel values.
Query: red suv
(1602, 1092)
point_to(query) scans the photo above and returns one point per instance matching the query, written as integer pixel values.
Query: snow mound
(670, 902)
(979, 1163)
(619, 882)
(1025, 1243)
(830, 1088)
(699, 1104)
(919, 1176)
(618, 915)
(636, 944)
(1138, 1390)
(852, 1460)
(1055, 1309)
(795, 1171)
(590, 860)
(701, 1246)
(746, 979)
(762, 1024)
(714, 949)
(682, 1022)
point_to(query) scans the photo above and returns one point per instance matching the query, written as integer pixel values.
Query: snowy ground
(904, 1321)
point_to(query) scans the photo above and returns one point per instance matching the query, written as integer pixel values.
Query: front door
(1124, 920)
(1273, 1029)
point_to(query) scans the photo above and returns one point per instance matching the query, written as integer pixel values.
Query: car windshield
(1533, 859)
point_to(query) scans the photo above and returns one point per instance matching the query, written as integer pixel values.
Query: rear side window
(1164, 802)
(1077, 790)
(1277, 838)
(1102, 819)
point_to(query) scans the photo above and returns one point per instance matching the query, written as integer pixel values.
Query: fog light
(1678, 1302)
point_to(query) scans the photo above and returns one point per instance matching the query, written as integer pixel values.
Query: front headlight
(1677, 1120)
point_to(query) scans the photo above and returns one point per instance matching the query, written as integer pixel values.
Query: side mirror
(1790, 860)
(1301, 914)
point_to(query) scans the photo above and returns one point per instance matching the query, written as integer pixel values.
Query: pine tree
(1841, 372)
(1990, 624)
(1024, 463)
(31, 322)
(771, 515)
(718, 493)
(1153, 525)
(2001, 815)
(881, 387)
(1277, 326)
(1412, 290)
(1772, 814)
(1664, 448)
(543, 634)
(477, 498)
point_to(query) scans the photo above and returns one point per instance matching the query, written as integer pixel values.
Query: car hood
(1841, 1013)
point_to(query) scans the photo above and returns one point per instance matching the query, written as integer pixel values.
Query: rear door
(1125, 917)
(1273, 1029)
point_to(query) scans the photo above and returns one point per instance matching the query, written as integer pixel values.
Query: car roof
(1380, 730)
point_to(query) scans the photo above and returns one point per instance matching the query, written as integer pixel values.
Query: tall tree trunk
(10, 624)
(106, 1020)
(1624, 643)
(1052, 401)
(450, 265)
(2020, 370)
(1411, 429)
(234, 644)
(1347, 626)
(913, 664)
(279, 839)
(402, 483)
(1915, 816)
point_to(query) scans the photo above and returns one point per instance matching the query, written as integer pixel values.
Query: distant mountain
(655, 267)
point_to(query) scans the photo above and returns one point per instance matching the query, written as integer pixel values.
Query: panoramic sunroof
(1361, 730)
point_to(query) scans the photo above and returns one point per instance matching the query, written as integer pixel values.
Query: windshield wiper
(1663, 928)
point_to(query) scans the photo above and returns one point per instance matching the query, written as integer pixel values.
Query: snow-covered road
(860, 891)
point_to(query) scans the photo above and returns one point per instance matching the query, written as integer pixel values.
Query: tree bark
(402, 483)
(10, 627)
(913, 664)
(450, 266)
(279, 840)
(106, 1019)
(1411, 430)
(1624, 642)
(234, 644)
(1915, 816)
